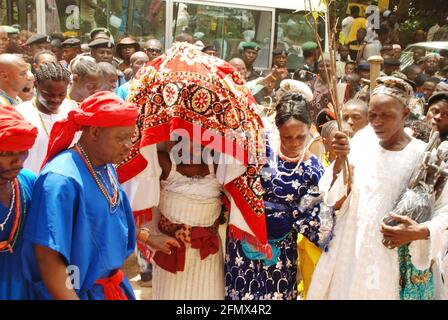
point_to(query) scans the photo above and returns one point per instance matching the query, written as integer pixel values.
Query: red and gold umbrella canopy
(204, 97)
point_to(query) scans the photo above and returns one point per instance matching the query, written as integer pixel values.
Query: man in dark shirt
(249, 55)
(307, 72)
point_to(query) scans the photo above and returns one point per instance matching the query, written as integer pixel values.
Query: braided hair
(292, 106)
(52, 71)
(328, 128)
(41, 53)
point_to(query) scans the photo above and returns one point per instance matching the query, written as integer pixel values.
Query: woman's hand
(407, 231)
(162, 243)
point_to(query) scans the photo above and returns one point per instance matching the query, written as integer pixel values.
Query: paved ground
(131, 270)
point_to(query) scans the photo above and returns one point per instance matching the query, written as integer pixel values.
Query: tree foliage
(422, 13)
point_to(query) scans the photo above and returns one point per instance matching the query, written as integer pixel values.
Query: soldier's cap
(392, 62)
(437, 97)
(250, 45)
(101, 43)
(364, 66)
(279, 52)
(95, 31)
(37, 38)
(56, 43)
(71, 43)
(308, 46)
(128, 41)
(10, 30)
(199, 35)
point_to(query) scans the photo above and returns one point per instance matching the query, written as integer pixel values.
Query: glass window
(74, 18)
(226, 28)
(19, 12)
(78, 17)
(147, 20)
(292, 31)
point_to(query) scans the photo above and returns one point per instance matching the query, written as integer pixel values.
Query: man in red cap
(82, 223)
(17, 136)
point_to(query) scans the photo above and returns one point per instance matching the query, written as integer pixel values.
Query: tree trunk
(403, 10)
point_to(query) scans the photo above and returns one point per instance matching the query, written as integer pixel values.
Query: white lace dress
(195, 202)
(357, 265)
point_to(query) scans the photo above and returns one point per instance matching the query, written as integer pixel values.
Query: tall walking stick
(375, 68)
(331, 72)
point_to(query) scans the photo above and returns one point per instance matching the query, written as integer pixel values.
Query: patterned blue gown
(248, 274)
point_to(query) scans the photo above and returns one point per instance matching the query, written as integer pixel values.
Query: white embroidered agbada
(357, 265)
(44, 123)
(441, 272)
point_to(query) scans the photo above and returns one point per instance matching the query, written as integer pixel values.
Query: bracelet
(147, 233)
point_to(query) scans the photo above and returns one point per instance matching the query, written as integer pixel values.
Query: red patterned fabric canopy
(204, 96)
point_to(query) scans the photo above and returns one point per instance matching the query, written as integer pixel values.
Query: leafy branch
(330, 72)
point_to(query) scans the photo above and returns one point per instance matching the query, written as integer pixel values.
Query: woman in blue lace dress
(290, 180)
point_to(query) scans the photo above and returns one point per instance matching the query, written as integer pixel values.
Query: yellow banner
(382, 4)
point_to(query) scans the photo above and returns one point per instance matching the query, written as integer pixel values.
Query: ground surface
(131, 270)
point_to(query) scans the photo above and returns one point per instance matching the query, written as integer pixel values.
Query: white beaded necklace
(13, 200)
(299, 158)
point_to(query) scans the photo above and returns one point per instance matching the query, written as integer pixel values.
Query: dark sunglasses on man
(153, 50)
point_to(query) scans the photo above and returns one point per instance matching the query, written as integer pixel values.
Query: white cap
(387, 13)
(199, 44)
(294, 86)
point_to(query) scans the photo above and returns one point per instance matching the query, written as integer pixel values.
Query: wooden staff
(331, 73)
(375, 68)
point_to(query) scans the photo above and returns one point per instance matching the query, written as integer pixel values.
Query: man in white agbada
(358, 265)
(49, 106)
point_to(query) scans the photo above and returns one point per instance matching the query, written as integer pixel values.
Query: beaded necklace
(112, 201)
(40, 117)
(11, 207)
(8, 245)
(298, 158)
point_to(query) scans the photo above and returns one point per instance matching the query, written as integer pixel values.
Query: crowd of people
(99, 159)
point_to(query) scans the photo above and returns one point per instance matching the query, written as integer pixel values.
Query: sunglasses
(152, 50)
